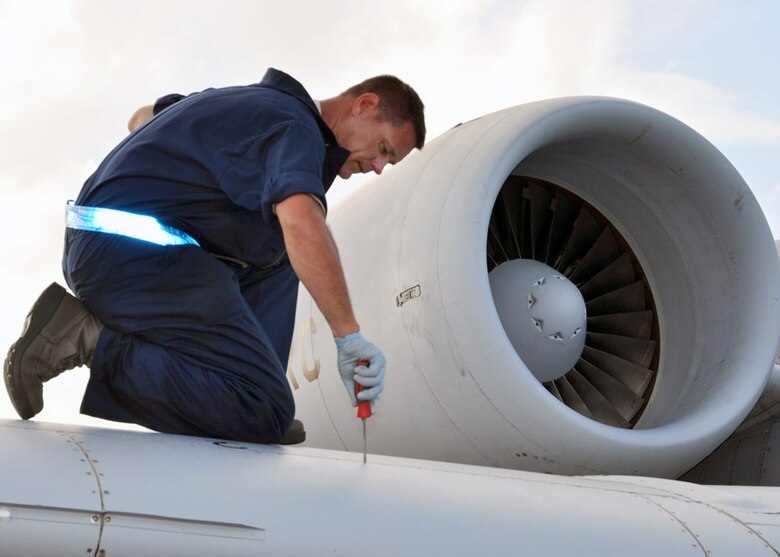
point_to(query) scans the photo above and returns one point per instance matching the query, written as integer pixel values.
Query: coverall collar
(335, 154)
(285, 83)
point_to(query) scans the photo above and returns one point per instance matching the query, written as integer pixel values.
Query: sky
(73, 71)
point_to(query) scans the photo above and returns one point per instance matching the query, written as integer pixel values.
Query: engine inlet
(607, 372)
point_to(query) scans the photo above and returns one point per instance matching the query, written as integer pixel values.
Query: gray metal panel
(34, 479)
(755, 508)
(713, 530)
(46, 485)
(771, 468)
(39, 531)
(751, 456)
(172, 495)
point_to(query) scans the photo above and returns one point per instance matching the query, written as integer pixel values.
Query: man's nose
(378, 164)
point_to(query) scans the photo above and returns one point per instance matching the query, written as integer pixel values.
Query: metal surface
(543, 314)
(48, 483)
(751, 456)
(365, 442)
(172, 495)
(684, 328)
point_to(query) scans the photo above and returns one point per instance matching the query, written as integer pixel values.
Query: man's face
(372, 143)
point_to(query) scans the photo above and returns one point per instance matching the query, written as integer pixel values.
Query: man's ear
(367, 102)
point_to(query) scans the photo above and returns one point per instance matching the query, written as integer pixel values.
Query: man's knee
(265, 427)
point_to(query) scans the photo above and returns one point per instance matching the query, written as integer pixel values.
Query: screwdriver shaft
(364, 440)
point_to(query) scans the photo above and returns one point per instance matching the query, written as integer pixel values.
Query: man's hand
(351, 349)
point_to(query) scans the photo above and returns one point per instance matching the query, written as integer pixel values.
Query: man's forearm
(315, 259)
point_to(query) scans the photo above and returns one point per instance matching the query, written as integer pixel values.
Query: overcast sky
(72, 72)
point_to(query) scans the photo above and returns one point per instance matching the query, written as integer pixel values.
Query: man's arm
(140, 117)
(315, 259)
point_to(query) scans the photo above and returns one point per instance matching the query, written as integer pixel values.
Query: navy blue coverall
(196, 339)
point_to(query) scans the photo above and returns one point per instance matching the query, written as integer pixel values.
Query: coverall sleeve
(284, 161)
(165, 101)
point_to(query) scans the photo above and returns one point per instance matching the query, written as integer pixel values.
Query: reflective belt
(123, 223)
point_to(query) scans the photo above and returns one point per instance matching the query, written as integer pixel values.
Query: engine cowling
(668, 248)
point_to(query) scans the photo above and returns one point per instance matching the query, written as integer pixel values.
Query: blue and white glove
(351, 349)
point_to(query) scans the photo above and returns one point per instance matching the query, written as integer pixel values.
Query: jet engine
(576, 286)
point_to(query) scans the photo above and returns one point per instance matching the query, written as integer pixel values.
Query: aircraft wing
(70, 490)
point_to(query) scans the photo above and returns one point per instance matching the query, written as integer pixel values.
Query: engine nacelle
(661, 236)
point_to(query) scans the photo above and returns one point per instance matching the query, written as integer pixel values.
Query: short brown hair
(398, 102)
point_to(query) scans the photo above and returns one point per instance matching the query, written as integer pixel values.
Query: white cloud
(720, 115)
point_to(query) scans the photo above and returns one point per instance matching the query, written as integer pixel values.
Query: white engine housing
(413, 246)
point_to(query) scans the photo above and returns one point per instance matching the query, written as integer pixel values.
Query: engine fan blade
(616, 275)
(512, 201)
(635, 350)
(638, 324)
(564, 211)
(598, 257)
(624, 300)
(586, 231)
(600, 407)
(633, 376)
(540, 199)
(550, 386)
(621, 398)
(571, 398)
(495, 248)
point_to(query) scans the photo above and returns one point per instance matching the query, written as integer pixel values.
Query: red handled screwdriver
(363, 409)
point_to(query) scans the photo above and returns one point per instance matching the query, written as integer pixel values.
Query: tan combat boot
(60, 333)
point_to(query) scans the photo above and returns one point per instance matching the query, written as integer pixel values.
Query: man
(184, 250)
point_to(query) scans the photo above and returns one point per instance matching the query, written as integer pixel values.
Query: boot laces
(70, 362)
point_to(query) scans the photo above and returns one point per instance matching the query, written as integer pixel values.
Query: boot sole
(40, 314)
(295, 435)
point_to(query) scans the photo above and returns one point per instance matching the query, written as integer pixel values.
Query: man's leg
(272, 294)
(181, 351)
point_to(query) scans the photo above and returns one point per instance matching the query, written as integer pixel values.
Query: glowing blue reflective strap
(132, 225)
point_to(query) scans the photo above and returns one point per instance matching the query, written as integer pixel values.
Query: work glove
(351, 349)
